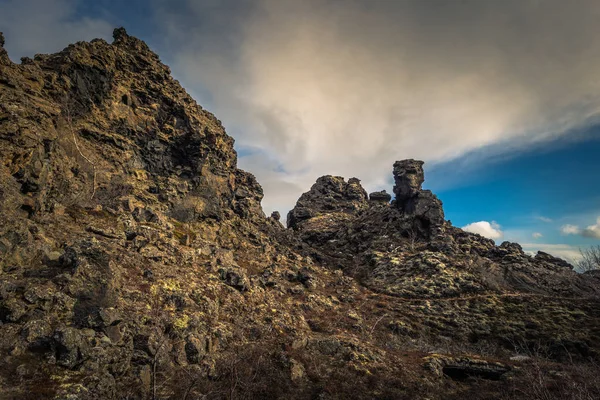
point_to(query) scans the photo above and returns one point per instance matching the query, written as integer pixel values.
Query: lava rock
(408, 178)
(235, 278)
(380, 197)
(330, 194)
(542, 256)
(70, 346)
(195, 349)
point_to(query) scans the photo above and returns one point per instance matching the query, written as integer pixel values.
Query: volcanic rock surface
(137, 263)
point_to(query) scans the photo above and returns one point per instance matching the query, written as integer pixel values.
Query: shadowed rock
(408, 178)
(3, 54)
(411, 199)
(330, 194)
(380, 197)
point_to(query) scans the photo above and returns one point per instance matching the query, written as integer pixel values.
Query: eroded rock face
(111, 178)
(155, 140)
(408, 178)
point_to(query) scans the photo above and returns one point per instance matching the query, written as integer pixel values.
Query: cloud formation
(564, 251)
(591, 231)
(46, 26)
(325, 87)
(486, 229)
(536, 235)
(569, 229)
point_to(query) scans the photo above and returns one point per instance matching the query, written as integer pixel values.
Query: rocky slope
(137, 263)
(405, 248)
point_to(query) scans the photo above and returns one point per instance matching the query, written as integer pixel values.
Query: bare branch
(590, 259)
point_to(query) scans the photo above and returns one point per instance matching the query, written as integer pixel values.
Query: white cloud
(486, 229)
(46, 26)
(569, 229)
(537, 235)
(592, 231)
(347, 90)
(564, 251)
(544, 219)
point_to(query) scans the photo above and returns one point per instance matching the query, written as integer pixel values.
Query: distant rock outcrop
(407, 249)
(329, 195)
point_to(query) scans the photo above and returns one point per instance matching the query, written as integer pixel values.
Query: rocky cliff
(137, 263)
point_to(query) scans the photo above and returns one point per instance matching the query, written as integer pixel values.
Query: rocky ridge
(136, 262)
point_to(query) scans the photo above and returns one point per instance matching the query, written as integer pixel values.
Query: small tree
(590, 259)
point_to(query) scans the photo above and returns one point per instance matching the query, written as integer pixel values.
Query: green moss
(182, 322)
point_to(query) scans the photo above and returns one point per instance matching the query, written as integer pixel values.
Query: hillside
(137, 263)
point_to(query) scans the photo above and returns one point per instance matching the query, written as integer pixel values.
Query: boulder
(235, 277)
(380, 197)
(462, 368)
(70, 346)
(427, 207)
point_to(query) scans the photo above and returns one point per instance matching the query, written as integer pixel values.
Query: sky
(500, 99)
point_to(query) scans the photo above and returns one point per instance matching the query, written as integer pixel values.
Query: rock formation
(407, 249)
(329, 195)
(412, 200)
(408, 178)
(136, 262)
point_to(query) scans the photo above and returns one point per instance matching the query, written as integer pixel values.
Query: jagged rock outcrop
(413, 200)
(408, 179)
(158, 140)
(115, 185)
(408, 250)
(136, 261)
(330, 197)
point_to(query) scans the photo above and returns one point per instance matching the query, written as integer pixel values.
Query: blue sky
(500, 99)
(531, 193)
